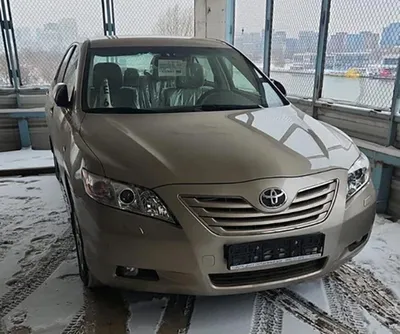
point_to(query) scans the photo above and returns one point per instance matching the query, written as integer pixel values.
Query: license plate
(284, 250)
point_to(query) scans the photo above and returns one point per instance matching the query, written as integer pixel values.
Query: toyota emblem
(273, 198)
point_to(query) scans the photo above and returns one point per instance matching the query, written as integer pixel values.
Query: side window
(63, 65)
(208, 73)
(272, 98)
(238, 78)
(70, 73)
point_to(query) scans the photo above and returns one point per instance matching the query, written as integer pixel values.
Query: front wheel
(84, 272)
(56, 168)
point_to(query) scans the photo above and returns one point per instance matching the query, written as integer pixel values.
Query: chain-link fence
(154, 17)
(4, 77)
(44, 29)
(249, 29)
(362, 52)
(294, 44)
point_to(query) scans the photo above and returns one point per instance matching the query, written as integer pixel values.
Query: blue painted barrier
(23, 127)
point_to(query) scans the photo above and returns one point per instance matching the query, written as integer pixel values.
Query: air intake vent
(267, 275)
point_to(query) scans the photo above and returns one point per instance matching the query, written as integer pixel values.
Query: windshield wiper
(207, 107)
(220, 107)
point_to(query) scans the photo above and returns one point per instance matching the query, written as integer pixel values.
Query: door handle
(51, 110)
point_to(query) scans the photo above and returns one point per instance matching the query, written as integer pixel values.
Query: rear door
(69, 122)
(52, 111)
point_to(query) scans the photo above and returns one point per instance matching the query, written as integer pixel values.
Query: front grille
(267, 275)
(234, 215)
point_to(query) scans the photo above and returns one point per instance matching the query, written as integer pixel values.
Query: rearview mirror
(279, 86)
(60, 95)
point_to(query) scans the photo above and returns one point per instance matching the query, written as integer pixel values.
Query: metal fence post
(394, 109)
(3, 34)
(109, 23)
(269, 13)
(6, 25)
(230, 10)
(321, 53)
(112, 17)
(14, 43)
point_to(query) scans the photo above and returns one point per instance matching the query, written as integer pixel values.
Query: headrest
(110, 71)
(131, 77)
(194, 77)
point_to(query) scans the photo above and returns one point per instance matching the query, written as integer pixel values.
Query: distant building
(278, 45)
(56, 36)
(391, 35)
(337, 42)
(308, 41)
(304, 61)
(347, 60)
(24, 37)
(291, 47)
(251, 44)
(370, 40)
(354, 43)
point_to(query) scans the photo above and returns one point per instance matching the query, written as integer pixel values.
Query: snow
(234, 311)
(381, 255)
(146, 316)
(52, 306)
(26, 158)
(33, 219)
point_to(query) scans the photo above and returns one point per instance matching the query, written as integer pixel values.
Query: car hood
(215, 147)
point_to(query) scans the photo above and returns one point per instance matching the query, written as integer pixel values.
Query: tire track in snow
(267, 316)
(364, 289)
(177, 315)
(307, 312)
(342, 307)
(104, 311)
(46, 265)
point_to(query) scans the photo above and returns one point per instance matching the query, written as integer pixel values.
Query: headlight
(358, 175)
(125, 197)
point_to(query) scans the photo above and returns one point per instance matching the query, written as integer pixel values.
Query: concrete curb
(27, 171)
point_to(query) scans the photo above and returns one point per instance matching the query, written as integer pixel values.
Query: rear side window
(208, 73)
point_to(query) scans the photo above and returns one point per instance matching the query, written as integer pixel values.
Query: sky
(139, 16)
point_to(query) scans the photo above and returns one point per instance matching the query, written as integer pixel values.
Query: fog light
(131, 271)
(137, 273)
(127, 271)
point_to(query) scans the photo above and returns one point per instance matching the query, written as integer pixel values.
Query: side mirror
(60, 95)
(279, 86)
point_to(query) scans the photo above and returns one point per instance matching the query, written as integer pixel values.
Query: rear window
(174, 79)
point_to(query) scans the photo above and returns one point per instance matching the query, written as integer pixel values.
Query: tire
(87, 278)
(56, 169)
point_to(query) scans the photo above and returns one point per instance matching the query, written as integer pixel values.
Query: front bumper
(185, 257)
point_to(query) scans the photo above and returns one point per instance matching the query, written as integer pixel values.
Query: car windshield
(174, 79)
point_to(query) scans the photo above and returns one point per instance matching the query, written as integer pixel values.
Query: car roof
(163, 41)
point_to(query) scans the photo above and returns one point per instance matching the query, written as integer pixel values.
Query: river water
(361, 91)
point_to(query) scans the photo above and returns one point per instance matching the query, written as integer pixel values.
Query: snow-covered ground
(26, 158)
(40, 291)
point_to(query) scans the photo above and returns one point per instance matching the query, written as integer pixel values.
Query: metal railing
(36, 34)
(332, 51)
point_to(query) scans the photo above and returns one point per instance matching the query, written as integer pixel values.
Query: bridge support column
(214, 19)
